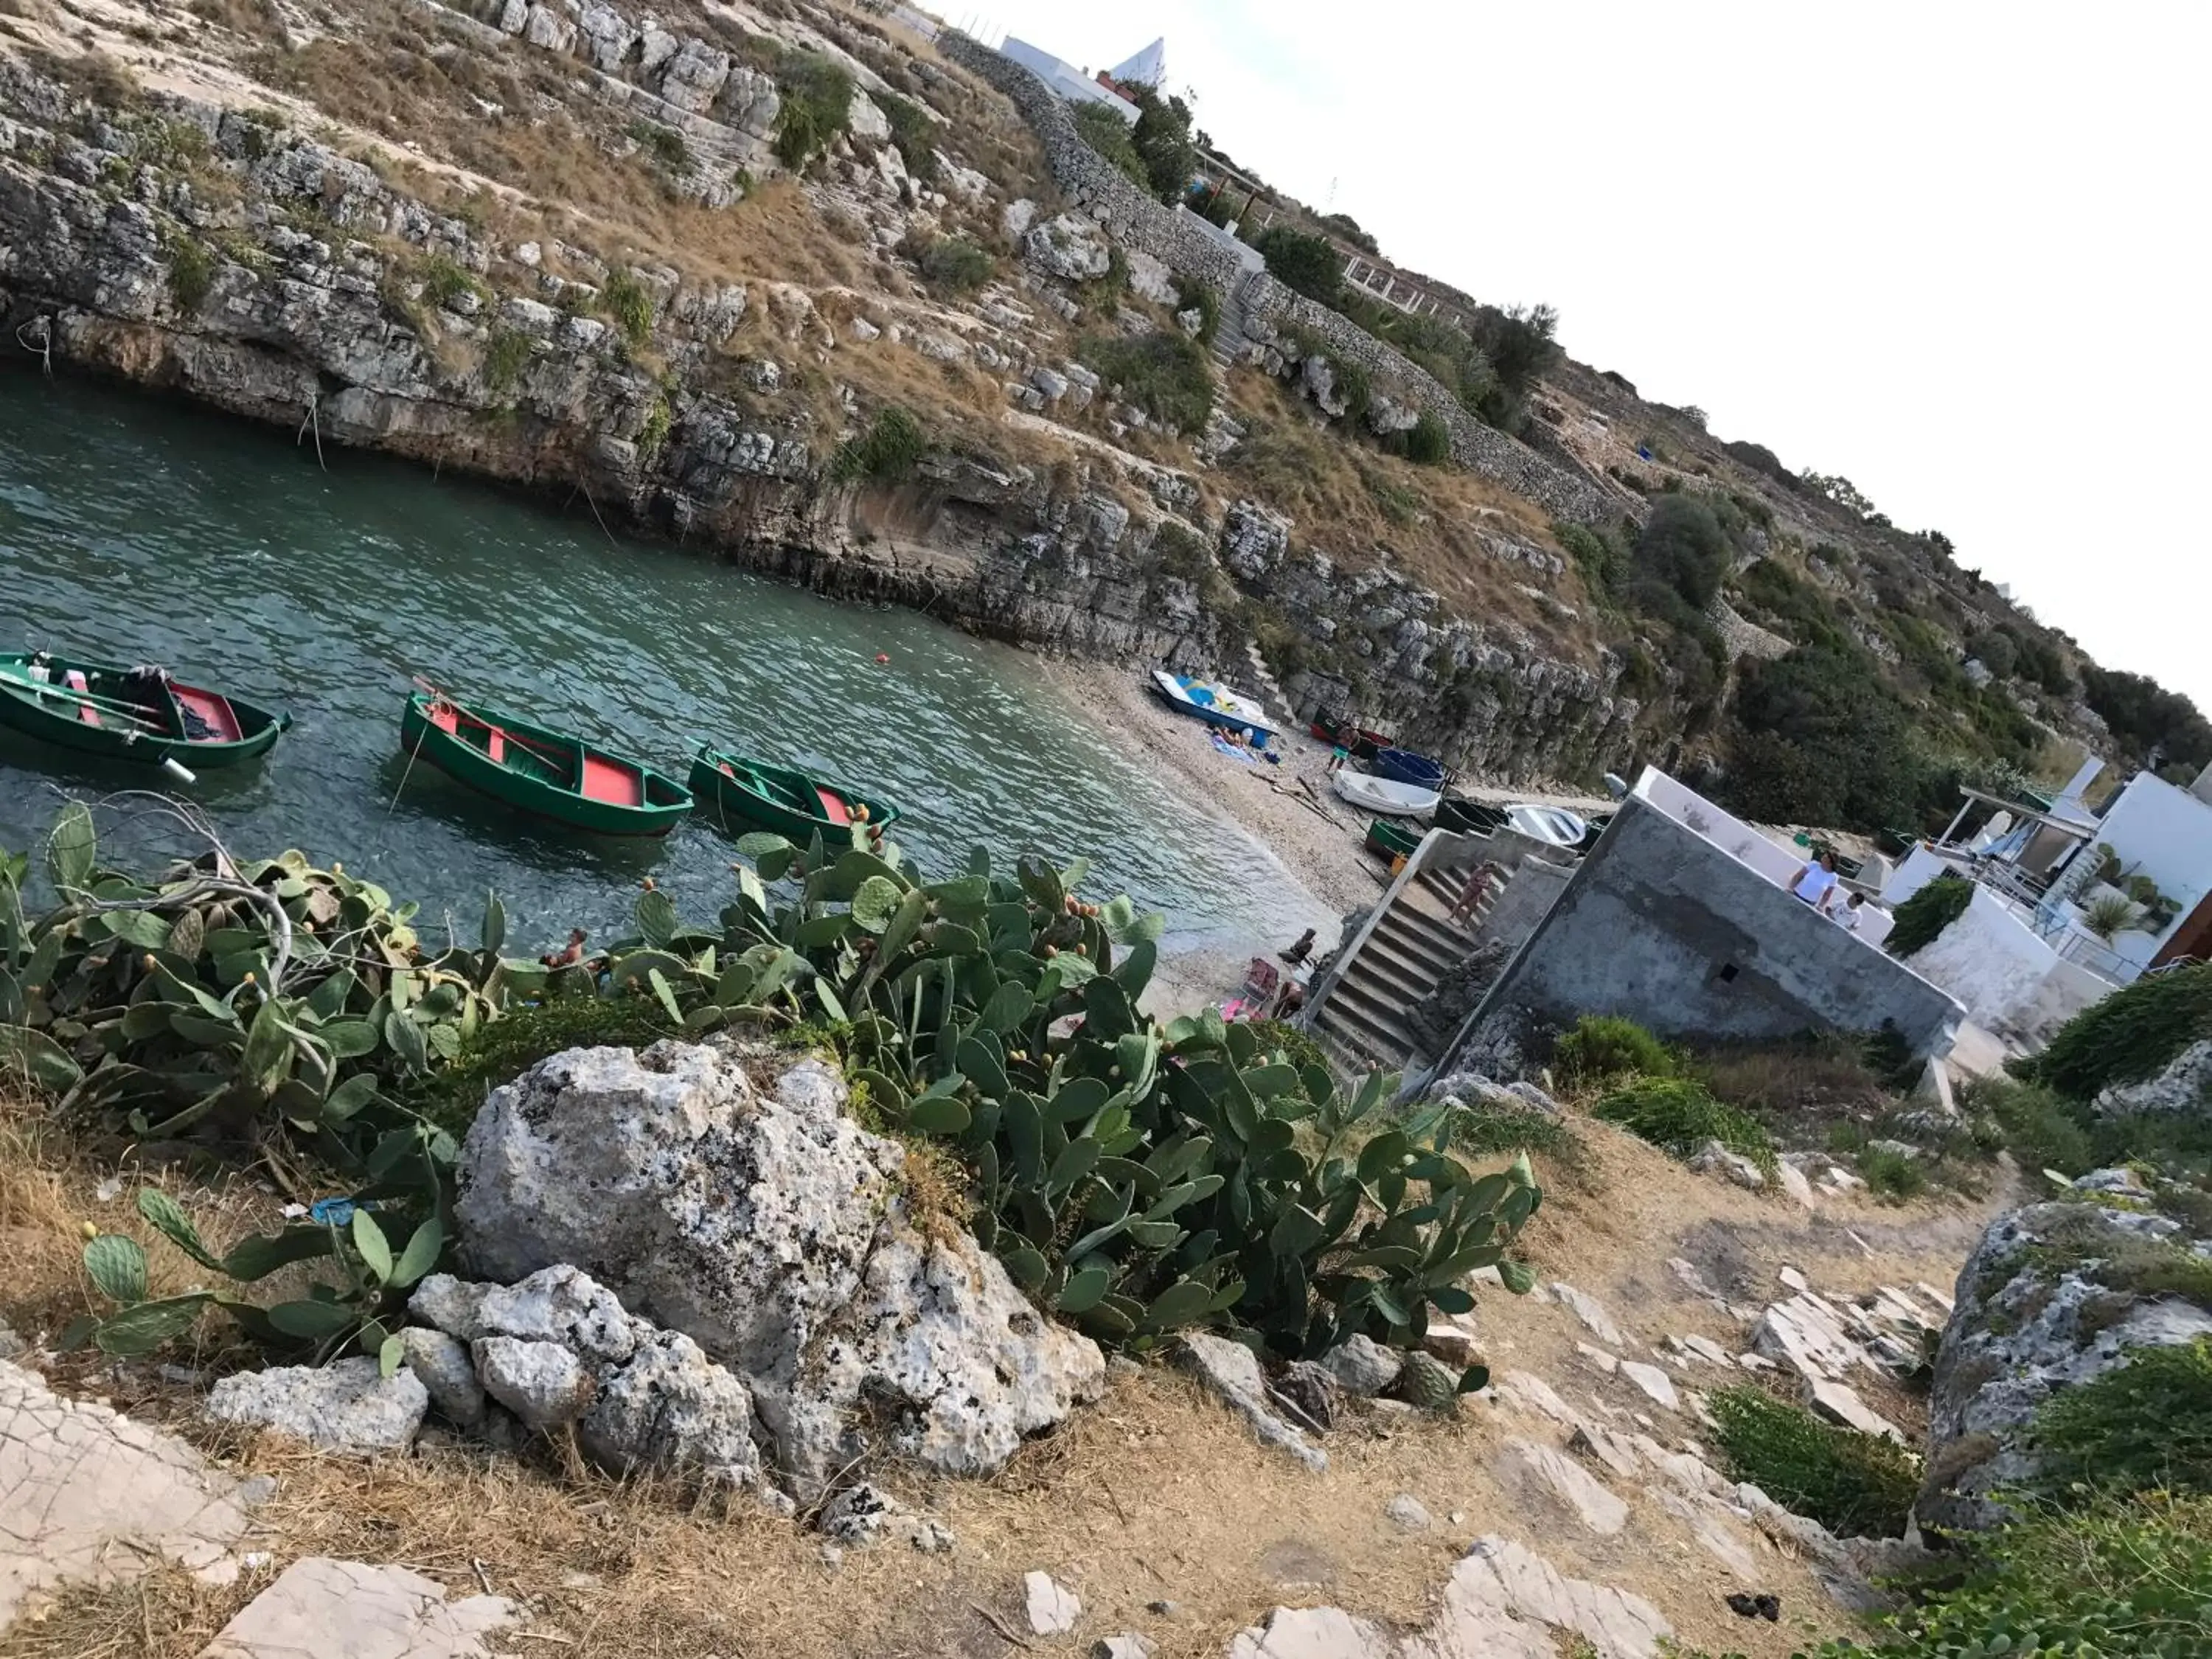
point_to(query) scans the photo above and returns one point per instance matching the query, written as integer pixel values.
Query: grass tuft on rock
(1679, 1117)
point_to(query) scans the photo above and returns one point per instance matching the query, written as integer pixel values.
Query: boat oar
(132, 712)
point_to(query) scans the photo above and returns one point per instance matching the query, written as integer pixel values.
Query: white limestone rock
(1653, 1381)
(1053, 1607)
(346, 1405)
(548, 28)
(1068, 247)
(694, 76)
(767, 1230)
(750, 102)
(1232, 1371)
(544, 1384)
(1362, 1366)
(89, 1497)
(1547, 1470)
(867, 121)
(1590, 1311)
(1408, 1513)
(352, 1610)
(443, 1366)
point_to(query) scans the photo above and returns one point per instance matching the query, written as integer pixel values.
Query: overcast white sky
(1954, 251)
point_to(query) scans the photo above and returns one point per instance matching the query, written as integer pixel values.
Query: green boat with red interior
(783, 800)
(536, 769)
(143, 714)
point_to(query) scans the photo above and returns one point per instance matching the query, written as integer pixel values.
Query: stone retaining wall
(1178, 238)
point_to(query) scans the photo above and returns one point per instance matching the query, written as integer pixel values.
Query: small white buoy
(177, 769)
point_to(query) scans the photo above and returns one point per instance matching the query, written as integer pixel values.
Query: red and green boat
(1386, 840)
(131, 714)
(1355, 740)
(782, 800)
(537, 769)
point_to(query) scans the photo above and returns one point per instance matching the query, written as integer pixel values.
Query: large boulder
(763, 1223)
(2054, 1295)
(1068, 247)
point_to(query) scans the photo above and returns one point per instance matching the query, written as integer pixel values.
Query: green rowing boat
(131, 714)
(1392, 840)
(548, 772)
(789, 803)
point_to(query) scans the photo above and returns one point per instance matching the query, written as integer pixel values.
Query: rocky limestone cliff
(218, 249)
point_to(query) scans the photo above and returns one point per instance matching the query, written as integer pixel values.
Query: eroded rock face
(764, 1224)
(2045, 1302)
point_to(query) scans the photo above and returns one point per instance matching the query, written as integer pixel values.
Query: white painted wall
(2168, 831)
(1778, 863)
(1920, 867)
(2010, 981)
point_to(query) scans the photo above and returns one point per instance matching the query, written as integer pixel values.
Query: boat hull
(1373, 794)
(1404, 766)
(1237, 716)
(55, 713)
(606, 794)
(755, 793)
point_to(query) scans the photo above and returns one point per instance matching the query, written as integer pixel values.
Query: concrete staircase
(1362, 1017)
(1229, 327)
(1265, 687)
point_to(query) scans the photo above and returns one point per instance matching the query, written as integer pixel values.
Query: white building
(2023, 958)
(1071, 84)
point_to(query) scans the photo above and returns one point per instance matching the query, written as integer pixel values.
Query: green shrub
(1498, 1129)
(1162, 140)
(1197, 296)
(507, 353)
(1428, 442)
(1168, 375)
(915, 134)
(1108, 134)
(191, 270)
(1855, 1485)
(1920, 918)
(664, 144)
(2042, 1130)
(627, 301)
(1604, 1047)
(1304, 263)
(818, 107)
(1820, 736)
(445, 280)
(2145, 1425)
(955, 264)
(2129, 1035)
(1679, 1117)
(2123, 1576)
(1604, 567)
(888, 450)
(511, 1045)
(1891, 1174)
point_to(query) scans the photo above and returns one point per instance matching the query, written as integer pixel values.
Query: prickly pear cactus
(1426, 1381)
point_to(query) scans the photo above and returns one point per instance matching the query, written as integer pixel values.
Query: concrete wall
(2011, 982)
(1133, 218)
(1666, 929)
(1778, 863)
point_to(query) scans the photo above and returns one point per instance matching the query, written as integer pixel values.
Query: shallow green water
(141, 530)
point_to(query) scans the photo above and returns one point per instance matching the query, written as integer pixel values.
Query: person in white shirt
(1815, 885)
(1848, 915)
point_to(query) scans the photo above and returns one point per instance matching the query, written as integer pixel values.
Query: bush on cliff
(1428, 442)
(1168, 375)
(1855, 1485)
(1303, 263)
(1679, 1116)
(1820, 738)
(2129, 1035)
(1108, 135)
(817, 105)
(889, 450)
(1604, 1047)
(1162, 140)
(2144, 1426)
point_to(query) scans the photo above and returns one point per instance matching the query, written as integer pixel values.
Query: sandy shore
(1288, 808)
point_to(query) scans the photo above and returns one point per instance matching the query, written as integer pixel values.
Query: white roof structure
(1149, 67)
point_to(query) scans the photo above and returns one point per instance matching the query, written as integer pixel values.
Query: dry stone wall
(1181, 240)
